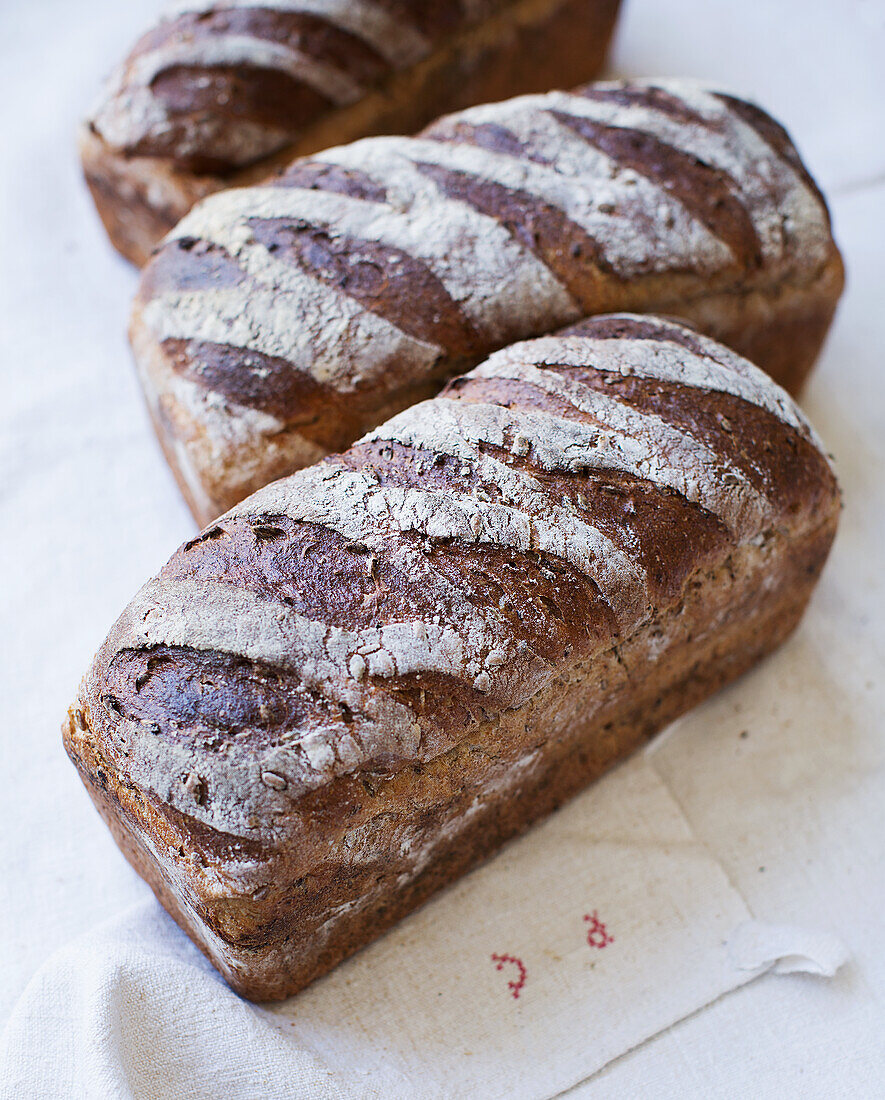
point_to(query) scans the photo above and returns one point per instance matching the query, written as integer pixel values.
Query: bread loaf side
(367, 676)
(278, 323)
(218, 94)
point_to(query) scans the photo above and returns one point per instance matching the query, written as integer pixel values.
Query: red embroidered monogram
(516, 984)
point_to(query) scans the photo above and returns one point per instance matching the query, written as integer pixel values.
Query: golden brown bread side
(369, 675)
(278, 323)
(221, 94)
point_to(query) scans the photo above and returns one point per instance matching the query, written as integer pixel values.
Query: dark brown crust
(280, 870)
(264, 96)
(524, 46)
(706, 192)
(781, 330)
(668, 534)
(386, 280)
(210, 698)
(258, 381)
(771, 454)
(190, 264)
(485, 135)
(562, 245)
(582, 736)
(774, 135)
(777, 312)
(320, 176)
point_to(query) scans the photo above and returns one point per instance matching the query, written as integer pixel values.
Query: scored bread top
(376, 609)
(321, 300)
(218, 84)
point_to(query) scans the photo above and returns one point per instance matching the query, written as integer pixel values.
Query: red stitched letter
(518, 982)
(597, 936)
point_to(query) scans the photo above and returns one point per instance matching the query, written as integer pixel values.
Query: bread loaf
(367, 676)
(278, 323)
(222, 91)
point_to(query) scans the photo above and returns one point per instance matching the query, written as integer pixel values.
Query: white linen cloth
(677, 853)
(598, 929)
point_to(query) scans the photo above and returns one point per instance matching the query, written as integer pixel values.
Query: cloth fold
(600, 928)
(786, 949)
(133, 1010)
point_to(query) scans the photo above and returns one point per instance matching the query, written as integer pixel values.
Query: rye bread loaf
(223, 91)
(279, 323)
(367, 676)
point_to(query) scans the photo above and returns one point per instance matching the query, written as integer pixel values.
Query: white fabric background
(784, 824)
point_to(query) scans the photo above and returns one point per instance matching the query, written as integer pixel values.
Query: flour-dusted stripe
(489, 274)
(623, 441)
(222, 617)
(316, 330)
(720, 371)
(393, 37)
(136, 114)
(528, 522)
(683, 463)
(769, 185)
(353, 502)
(348, 503)
(765, 184)
(235, 50)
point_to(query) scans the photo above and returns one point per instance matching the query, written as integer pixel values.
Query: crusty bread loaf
(367, 676)
(278, 323)
(221, 92)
